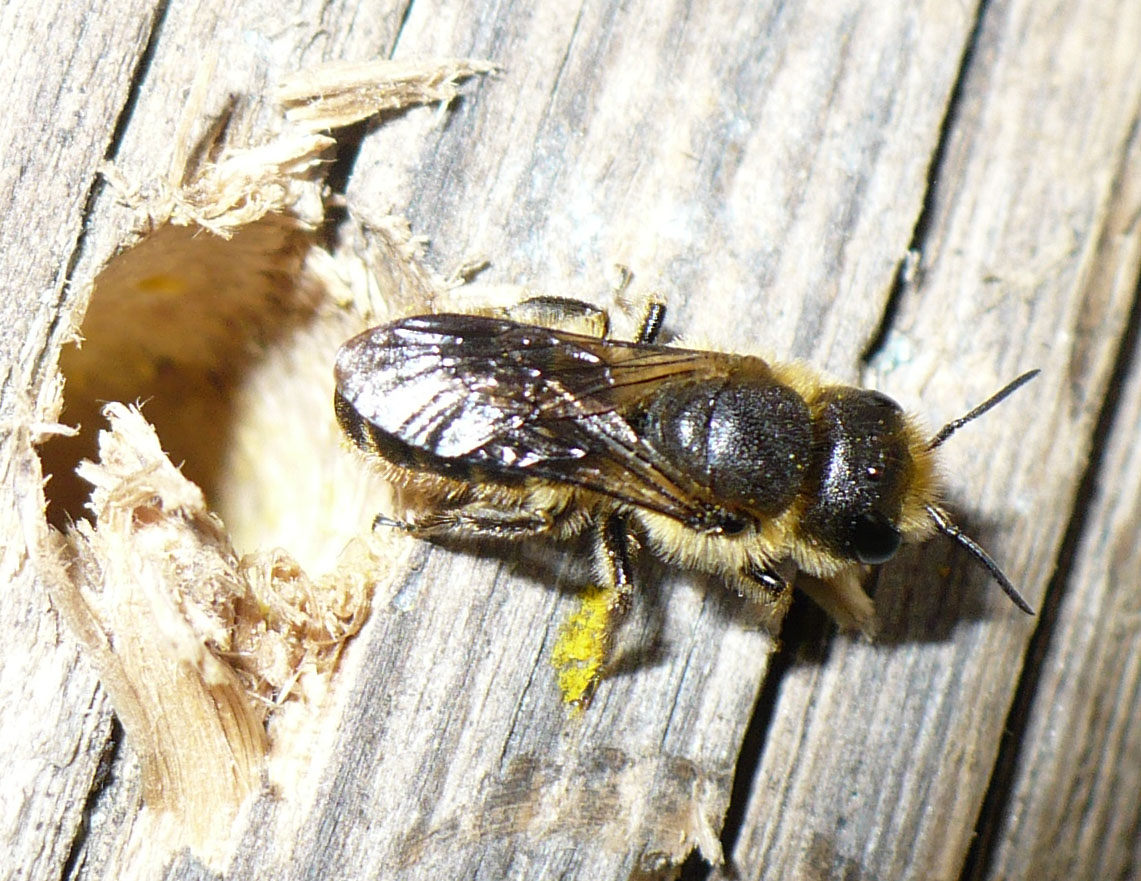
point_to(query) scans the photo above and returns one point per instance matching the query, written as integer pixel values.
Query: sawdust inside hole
(228, 345)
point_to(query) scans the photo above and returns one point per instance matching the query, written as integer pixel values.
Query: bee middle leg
(652, 323)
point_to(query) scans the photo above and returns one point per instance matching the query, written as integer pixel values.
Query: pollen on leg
(579, 654)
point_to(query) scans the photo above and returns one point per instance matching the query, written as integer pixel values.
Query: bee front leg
(768, 587)
(766, 583)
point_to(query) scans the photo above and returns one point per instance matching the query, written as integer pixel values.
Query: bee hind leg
(614, 550)
(477, 520)
(583, 649)
(561, 313)
(578, 316)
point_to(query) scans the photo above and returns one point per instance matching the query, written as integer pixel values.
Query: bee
(506, 427)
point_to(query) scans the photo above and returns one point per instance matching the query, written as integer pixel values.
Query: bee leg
(614, 546)
(561, 313)
(617, 577)
(767, 584)
(652, 323)
(582, 651)
(476, 521)
(386, 521)
(655, 309)
(576, 316)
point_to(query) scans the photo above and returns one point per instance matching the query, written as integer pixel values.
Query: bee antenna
(944, 524)
(955, 424)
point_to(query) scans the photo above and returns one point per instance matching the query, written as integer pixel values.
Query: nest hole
(228, 345)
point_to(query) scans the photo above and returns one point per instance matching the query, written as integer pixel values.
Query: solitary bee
(505, 427)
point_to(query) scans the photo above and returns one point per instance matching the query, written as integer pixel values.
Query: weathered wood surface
(65, 94)
(766, 168)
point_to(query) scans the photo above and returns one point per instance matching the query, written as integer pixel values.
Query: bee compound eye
(874, 539)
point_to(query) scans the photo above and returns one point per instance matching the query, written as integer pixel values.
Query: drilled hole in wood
(228, 345)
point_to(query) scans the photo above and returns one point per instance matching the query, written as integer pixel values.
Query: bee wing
(527, 401)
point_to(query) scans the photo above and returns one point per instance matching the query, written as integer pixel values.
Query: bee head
(874, 479)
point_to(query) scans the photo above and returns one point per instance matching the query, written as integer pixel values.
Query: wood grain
(766, 169)
(67, 76)
(937, 701)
